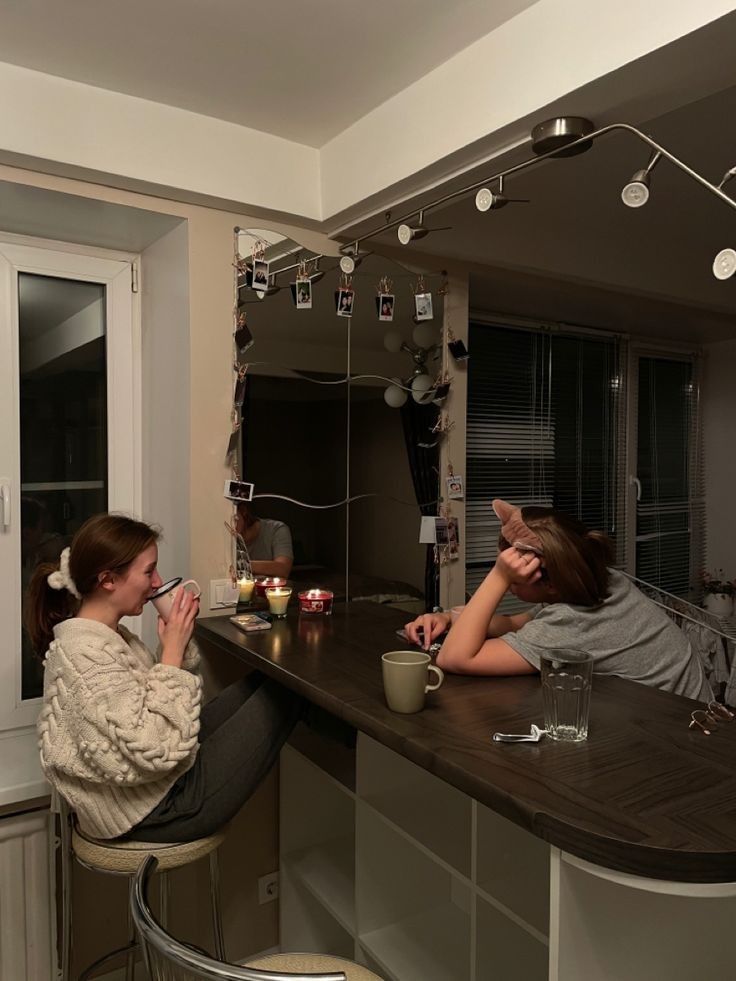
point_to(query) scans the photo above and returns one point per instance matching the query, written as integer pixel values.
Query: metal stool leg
(163, 881)
(66, 894)
(216, 910)
(132, 948)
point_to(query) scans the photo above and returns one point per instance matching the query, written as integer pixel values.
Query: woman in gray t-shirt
(553, 562)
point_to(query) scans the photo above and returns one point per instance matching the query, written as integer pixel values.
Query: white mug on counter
(164, 597)
(406, 680)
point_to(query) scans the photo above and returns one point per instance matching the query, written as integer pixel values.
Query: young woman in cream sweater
(123, 734)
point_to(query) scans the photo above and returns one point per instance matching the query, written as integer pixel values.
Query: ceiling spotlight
(724, 264)
(727, 177)
(487, 200)
(351, 258)
(636, 192)
(408, 233)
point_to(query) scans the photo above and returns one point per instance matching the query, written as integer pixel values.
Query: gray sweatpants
(241, 733)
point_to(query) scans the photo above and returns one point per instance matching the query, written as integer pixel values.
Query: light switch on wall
(223, 593)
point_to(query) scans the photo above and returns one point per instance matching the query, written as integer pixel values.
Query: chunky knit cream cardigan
(117, 728)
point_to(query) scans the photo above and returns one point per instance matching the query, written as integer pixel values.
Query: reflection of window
(542, 428)
(546, 425)
(670, 511)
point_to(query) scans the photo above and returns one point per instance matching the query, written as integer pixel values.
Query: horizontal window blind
(670, 511)
(545, 427)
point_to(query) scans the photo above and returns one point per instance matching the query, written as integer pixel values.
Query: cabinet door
(67, 444)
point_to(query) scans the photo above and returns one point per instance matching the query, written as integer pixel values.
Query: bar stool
(167, 959)
(123, 858)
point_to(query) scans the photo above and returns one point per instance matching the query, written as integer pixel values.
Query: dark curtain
(418, 421)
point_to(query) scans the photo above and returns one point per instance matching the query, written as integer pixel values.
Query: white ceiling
(302, 71)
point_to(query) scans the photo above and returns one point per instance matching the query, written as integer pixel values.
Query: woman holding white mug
(124, 737)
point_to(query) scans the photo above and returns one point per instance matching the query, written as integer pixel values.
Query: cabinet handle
(5, 501)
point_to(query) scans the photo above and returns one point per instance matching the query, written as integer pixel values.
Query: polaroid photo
(232, 444)
(243, 338)
(427, 533)
(385, 305)
(260, 274)
(440, 392)
(239, 393)
(458, 350)
(303, 294)
(423, 306)
(238, 490)
(345, 300)
(455, 488)
(453, 538)
(441, 531)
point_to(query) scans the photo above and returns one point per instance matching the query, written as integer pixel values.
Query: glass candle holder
(316, 601)
(278, 600)
(268, 582)
(245, 590)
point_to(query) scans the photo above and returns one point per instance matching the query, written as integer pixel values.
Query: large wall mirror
(336, 442)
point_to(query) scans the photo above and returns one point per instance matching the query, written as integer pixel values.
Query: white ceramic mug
(165, 595)
(406, 680)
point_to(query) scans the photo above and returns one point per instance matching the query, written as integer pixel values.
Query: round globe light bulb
(724, 264)
(635, 194)
(395, 396)
(405, 234)
(347, 264)
(424, 335)
(484, 199)
(420, 388)
(392, 341)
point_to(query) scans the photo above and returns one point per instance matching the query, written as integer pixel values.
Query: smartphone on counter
(250, 622)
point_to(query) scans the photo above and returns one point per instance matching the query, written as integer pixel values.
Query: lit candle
(245, 587)
(316, 601)
(278, 599)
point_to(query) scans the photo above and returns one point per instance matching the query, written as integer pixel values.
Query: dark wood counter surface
(644, 794)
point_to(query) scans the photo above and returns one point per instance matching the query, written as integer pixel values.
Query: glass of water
(567, 676)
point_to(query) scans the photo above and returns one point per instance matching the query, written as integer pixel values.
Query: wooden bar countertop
(644, 795)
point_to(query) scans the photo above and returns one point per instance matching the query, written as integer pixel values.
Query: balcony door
(69, 434)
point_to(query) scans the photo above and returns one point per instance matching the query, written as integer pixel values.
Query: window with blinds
(670, 507)
(545, 426)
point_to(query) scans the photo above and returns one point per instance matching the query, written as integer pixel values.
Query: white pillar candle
(278, 599)
(245, 587)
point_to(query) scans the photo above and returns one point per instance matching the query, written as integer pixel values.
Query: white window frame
(123, 361)
(642, 348)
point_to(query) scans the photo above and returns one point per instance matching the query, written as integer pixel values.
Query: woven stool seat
(313, 964)
(124, 857)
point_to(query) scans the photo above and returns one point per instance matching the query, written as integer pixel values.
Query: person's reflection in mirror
(268, 542)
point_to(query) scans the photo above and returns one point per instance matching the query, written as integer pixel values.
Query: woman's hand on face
(427, 628)
(176, 633)
(518, 567)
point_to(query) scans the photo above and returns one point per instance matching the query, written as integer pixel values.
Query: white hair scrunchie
(62, 579)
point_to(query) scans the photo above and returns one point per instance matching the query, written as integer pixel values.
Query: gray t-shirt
(273, 541)
(628, 636)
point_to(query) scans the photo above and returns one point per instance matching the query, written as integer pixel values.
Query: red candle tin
(316, 601)
(268, 582)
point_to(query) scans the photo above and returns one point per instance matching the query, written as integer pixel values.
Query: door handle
(635, 482)
(5, 501)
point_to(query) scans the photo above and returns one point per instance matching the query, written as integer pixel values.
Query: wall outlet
(268, 888)
(223, 594)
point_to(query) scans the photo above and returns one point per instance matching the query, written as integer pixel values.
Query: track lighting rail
(542, 158)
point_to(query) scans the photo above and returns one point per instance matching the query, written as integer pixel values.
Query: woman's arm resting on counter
(280, 566)
(467, 649)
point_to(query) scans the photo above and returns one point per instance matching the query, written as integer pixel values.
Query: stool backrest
(169, 960)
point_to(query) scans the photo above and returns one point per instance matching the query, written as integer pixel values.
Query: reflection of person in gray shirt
(268, 542)
(553, 562)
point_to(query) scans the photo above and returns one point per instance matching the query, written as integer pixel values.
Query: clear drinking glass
(567, 676)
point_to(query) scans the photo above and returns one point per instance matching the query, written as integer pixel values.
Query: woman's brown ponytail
(46, 607)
